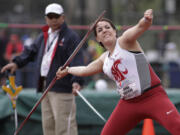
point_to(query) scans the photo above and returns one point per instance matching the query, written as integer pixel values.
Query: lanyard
(50, 44)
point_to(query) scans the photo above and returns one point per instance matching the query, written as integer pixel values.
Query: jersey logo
(119, 70)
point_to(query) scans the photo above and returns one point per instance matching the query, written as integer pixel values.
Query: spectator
(13, 48)
(52, 48)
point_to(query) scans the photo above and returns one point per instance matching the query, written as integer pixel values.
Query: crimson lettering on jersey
(119, 70)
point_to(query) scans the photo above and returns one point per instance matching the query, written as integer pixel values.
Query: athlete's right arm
(93, 68)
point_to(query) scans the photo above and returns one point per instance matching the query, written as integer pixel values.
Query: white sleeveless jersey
(126, 68)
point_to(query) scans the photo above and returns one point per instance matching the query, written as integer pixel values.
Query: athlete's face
(54, 21)
(105, 33)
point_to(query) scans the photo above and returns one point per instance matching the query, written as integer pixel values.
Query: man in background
(51, 49)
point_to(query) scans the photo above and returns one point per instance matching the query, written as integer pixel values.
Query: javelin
(91, 106)
(64, 66)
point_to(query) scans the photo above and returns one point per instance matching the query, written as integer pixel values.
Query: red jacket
(13, 50)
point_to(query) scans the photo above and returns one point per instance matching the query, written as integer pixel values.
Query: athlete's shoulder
(103, 56)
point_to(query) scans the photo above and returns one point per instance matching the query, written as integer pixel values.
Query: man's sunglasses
(51, 16)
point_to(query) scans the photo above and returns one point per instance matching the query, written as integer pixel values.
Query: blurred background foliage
(83, 12)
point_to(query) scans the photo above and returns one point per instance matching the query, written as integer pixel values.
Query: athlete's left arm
(144, 23)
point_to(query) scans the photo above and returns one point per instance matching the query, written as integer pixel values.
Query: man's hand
(11, 66)
(75, 87)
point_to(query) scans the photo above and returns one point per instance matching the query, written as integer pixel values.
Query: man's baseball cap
(54, 8)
